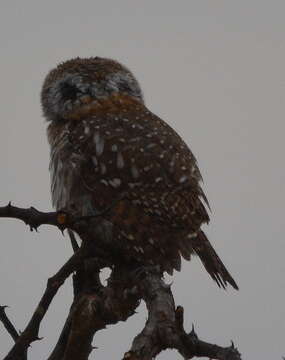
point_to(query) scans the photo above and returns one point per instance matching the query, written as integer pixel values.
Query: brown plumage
(108, 148)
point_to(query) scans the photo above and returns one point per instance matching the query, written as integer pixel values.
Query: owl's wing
(137, 154)
(135, 157)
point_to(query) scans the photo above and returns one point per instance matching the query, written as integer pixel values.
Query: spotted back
(116, 152)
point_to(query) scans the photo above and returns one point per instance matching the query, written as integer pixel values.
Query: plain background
(214, 70)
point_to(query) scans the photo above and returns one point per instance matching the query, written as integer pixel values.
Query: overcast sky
(214, 70)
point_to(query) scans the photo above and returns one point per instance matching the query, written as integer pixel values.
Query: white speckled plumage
(106, 145)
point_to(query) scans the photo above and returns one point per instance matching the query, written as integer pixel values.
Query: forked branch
(31, 332)
(96, 306)
(164, 328)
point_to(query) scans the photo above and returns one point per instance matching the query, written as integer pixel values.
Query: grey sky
(214, 70)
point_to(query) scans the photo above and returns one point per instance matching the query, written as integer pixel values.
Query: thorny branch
(33, 217)
(31, 332)
(95, 306)
(7, 323)
(10, 328)
(164, 328)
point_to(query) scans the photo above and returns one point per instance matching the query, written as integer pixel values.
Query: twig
(7, 323)
(33, 217)
(61, 219)
(73, 241)
(31, 332)
(10, 328)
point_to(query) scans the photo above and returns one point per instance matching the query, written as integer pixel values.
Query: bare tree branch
(31, 332)
(95, 306)
(33, 217)
(8, 324)
(108, 305)
(10, 328)
(164, 327)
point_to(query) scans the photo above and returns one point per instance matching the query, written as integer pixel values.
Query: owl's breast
(66, 188)
(61, 173)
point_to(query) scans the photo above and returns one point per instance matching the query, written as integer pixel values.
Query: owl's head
(78, 83)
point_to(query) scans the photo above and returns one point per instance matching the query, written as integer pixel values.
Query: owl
(112, 157)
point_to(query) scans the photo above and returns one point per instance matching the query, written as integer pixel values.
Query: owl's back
(122, 154)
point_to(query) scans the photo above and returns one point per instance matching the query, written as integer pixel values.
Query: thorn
(33, 228)
(9, 204)
(232, 344)
(193, 333)
(37, 338)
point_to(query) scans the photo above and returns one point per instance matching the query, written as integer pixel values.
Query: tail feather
(212, 262)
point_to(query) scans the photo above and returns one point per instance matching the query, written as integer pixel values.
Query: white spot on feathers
(114, 148)
(141, 250)
(133, 185)
(104, 182)
(115, 182)
(182, 179)
(191, 235)
(149, 146)
(99, 143)
(135, 172)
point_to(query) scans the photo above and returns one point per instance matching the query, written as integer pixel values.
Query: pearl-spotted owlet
(108, 151)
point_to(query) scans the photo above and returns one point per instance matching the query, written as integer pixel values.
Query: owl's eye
(125, 87)
(69, 91)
